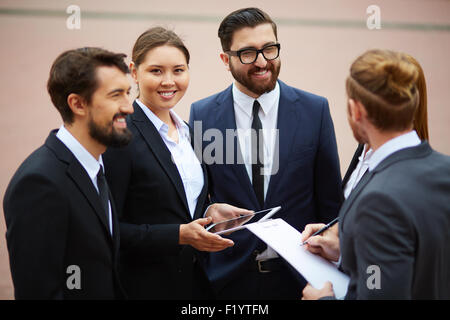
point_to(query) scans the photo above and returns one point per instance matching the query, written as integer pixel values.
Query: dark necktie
(103, 192)
(257, 155)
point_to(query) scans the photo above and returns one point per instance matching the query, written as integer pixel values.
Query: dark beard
(114, 139)
(257, 89)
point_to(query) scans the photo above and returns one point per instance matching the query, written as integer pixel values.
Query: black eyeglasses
(248, 56)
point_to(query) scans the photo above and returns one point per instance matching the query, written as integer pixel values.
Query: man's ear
(226, 60)
(77, 104)
(356, 110)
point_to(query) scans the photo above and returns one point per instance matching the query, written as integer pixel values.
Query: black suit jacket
(396, 223)
(152, 203)
(55, 220)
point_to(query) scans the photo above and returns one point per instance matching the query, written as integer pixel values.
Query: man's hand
(325, 244)
(310, 293)
(194, 234)
(222, 211)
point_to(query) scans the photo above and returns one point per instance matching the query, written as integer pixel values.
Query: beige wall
(319, 41)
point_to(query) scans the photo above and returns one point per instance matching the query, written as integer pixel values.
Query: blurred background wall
(319, 40)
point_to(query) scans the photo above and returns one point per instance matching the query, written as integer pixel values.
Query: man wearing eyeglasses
(282, 152)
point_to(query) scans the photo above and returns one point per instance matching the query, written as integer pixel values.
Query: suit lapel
(80, 177)
(287, 124)
(159, 149)
(346, 206)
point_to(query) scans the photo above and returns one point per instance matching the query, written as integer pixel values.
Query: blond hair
(385, 83)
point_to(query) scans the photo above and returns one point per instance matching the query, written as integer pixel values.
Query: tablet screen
(239, 222)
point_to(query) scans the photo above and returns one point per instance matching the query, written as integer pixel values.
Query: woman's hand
(195, 235)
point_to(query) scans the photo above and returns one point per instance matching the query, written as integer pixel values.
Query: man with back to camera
(284, 153)
(393, 235)
(62, 229)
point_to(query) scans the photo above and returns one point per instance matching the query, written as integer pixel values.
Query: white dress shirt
(87, 161)
(359, 171)
(268, 114)
(183, 155)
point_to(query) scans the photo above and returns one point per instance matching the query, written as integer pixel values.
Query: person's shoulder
(444, 158)
(300, 94)
(304, 99)
(41, 168)
(435, 164)
(400, 172)
(42, 161)
(213, 99)
(421, 157)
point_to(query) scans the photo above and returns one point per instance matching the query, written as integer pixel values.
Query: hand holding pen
(324, 228)
(318, 240)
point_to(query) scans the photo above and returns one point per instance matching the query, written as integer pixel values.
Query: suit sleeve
(384, 249)
(327, 174)
(36, 215)
(141, 238)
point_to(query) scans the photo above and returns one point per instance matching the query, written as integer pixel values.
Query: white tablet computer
(231, 225)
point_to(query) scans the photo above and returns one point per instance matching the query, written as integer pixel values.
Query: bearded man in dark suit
(62, 230)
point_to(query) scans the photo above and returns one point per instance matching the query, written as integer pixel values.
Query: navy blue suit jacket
(307, 184)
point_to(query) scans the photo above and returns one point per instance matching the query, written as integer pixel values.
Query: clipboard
(287, 242)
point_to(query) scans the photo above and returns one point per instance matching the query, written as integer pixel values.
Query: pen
(326, 227)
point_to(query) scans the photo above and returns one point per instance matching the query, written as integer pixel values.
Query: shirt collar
(407, 140)
(181, 125)
(89, 163)
(266, 100)
(366, 154)
(160, 125)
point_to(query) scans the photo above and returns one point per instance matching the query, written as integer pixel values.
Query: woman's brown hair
(156, 37)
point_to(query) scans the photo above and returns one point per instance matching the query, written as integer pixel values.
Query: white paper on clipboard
(286, 241)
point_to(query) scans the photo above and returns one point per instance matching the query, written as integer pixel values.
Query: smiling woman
(163, 78)
(158, 183)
